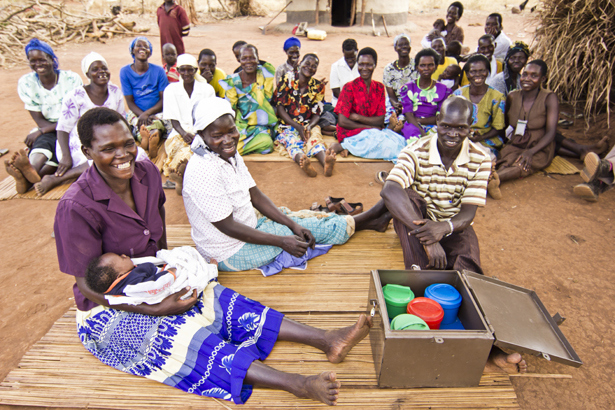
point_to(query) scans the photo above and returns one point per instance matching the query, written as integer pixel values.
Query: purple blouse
(423, 103)
(92, 220)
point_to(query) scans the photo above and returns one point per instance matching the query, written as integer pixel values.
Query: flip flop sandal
(349, 208)
(168, 185)
(333, 203)
(3, 151)
(318, 208)
(381, 177)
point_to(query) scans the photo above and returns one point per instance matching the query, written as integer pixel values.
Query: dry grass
(575, 39)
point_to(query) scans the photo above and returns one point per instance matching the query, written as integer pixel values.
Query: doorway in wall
(341, 12)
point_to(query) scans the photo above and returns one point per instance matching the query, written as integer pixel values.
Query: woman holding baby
(209, 344)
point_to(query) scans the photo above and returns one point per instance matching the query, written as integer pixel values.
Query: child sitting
(121, 281)
(451, 76)
(169, 54)
(437, 31)
(454, 49)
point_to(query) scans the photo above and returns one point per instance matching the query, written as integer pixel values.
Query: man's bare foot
(21, 183)
(47, 183)
(598, 148)
(144, 132)
(340, 341)
(21, 161)
(510, 363)
(306, 166)
(329, 162)
(323, 388)
(337, 147)
(154, 141)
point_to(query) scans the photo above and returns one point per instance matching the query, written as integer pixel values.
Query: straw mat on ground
(7, 191)
(561, 166)
(276, 157)
(57, 371)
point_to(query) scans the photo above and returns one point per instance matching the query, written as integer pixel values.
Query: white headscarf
(89, 59)
(189, 59)
(204, 113)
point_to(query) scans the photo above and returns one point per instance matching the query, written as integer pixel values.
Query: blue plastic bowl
(448, 297)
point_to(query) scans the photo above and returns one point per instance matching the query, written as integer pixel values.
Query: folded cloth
(286, 260)
(192, 271)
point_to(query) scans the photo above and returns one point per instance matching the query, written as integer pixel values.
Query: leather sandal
(333, 203)
(349, 208)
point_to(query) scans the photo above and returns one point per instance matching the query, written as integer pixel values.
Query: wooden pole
(363, 12)
(353, 11)
(384, 22)
(316, 14)
(274, 17)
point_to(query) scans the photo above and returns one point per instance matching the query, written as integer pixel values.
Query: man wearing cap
(434, 190)
(292, 47)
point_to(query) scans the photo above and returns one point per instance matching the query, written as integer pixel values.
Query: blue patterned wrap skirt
(205, 351)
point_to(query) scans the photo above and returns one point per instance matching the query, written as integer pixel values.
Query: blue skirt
(205, 351)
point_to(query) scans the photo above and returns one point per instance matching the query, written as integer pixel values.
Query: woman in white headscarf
(178, 101)
(98, 93)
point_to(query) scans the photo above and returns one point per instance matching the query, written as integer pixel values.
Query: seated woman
(453, 15)
(292, 48)
(510, 78)
(98, 93)
(397, 74)
(360, 109)
(220, 196)
(179, 100)
(143, 84)
(486, 47)
(42, 92)
(422, 99)
(117, 205)
(299, 104)
(444, 61)
(250, 91)
(533, 112)
(488, 125)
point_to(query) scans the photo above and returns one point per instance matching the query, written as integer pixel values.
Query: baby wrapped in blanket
(123, 282)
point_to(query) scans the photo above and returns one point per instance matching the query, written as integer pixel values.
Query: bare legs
(48, 182)
(376, 218)
(571, 148)
(509, 363)
(337, 147)
(27, 171)
(334, 343)
(326, 158)
(177, 176)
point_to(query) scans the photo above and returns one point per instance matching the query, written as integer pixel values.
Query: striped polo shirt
(420, 167)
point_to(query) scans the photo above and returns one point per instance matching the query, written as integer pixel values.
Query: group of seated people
(449, 143)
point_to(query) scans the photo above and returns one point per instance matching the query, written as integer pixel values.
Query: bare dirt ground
(538, 236)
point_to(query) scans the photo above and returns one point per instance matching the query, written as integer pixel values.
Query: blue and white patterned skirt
(205, 351)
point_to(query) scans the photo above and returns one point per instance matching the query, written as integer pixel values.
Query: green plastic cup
(397, 298)
(408, 322)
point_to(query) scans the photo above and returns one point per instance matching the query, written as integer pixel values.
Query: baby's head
(439, 24)
(169, 54)
(454, 49)
(104, 270)
(451, 72)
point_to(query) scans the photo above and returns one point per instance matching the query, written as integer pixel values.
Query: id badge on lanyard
(521, 126)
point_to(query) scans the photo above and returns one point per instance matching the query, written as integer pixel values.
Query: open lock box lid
(518, 319)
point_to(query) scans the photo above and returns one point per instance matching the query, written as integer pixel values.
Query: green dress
(254, 116)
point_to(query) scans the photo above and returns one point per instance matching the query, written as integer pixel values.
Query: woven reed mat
(7, 191)
(276, 157)
(58, 372)
(561, 166)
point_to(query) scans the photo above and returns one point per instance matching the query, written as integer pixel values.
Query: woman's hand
(32, 137)
(294, 245)
(300, 129)
(304, 233)
(524, 161)
(430, 232)
(397, 106)
(65, 164)
(188, 138)
(174, 305)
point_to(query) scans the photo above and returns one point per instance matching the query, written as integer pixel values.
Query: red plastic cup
(427, 309)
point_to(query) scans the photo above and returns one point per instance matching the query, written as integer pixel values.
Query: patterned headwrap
(36, 44)
(290, 42)
(514, 48)
(134, 42)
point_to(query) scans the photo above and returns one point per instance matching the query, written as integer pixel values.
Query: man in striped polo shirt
(434, 190)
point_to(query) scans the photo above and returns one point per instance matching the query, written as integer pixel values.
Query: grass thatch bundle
(576, 38)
